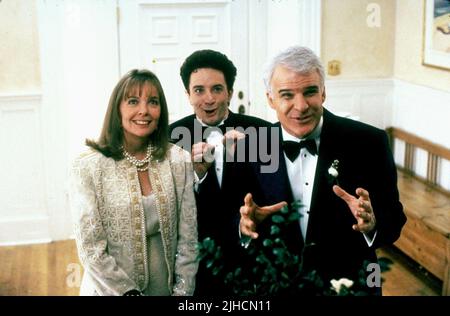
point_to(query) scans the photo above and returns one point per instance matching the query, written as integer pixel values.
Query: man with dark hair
(208, 59)
(208, 77)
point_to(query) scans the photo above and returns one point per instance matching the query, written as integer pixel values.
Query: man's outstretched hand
(252, 215)
(360, 207)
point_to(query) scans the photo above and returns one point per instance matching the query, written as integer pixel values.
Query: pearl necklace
(136, 162)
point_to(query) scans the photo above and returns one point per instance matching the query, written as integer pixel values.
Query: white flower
(333, 172)
(337, 285)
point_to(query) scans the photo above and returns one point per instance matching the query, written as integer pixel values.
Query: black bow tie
(209, 129)
(292, 149)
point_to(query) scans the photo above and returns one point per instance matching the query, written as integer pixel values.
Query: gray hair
(296, 58)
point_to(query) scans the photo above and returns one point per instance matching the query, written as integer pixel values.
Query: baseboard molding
(21, 231)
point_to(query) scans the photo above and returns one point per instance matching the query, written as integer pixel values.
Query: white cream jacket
(109, 224)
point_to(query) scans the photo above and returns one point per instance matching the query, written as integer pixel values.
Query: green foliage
(272, 269)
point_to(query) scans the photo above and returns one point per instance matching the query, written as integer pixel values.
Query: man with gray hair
(339, 172)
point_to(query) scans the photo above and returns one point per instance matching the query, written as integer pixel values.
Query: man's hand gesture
(252, 215)
(360, 207)
(202, 156)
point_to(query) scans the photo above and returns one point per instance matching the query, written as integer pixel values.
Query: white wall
(19, 47)
(44, 130)
(369, 101)
(423, 111)
(23, 212)
(79, 69)
(91, 66)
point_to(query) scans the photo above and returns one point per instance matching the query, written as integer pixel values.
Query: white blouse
(158, 273)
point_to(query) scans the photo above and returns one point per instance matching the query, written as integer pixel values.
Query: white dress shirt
(301, 173)
(214, 138)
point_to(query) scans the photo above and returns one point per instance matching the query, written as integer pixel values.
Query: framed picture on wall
(436, 51)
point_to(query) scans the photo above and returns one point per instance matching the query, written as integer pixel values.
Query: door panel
(159, 35)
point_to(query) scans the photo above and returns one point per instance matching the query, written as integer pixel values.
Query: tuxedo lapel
(277, 186)
(231, 120)
(322, 183)
(294, 239)
(227, 172)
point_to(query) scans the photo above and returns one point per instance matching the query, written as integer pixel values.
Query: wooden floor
(53, 269)
(43, 269)
(406, 278)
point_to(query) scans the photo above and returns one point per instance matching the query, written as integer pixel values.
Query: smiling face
(297, 99)
(208, 94)
(140, 111)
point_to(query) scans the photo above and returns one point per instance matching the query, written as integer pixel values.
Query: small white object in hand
(337, 284)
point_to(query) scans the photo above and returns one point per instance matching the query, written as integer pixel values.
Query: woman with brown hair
(132, 199)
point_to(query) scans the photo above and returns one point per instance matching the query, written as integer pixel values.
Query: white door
(159, 35)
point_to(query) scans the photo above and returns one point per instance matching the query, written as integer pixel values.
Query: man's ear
(270, 100)
(230, 95)
(324, 95)
(187, 93)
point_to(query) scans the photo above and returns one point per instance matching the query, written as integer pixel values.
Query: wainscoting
(24, 215)
(369, 101)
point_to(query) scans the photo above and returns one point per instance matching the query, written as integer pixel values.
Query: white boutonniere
(341, 284)
(333, 171)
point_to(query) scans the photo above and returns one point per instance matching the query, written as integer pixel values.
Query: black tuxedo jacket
(217, 206)
(365, 160)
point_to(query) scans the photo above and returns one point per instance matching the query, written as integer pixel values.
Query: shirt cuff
(245, 240)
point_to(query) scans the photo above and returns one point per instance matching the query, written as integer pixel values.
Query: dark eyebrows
(314, 88)
(219, 85)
